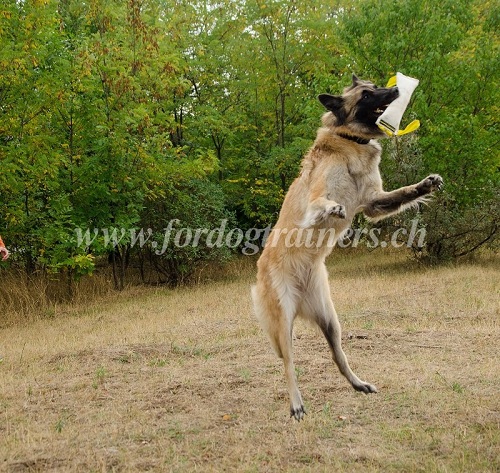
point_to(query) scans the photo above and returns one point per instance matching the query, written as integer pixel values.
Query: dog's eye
(366, 96)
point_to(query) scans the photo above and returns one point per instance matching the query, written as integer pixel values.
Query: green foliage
(120, 115)
(450, 47)
(190, 226)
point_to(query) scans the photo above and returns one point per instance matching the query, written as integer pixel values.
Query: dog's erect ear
(331, 102)
(335, 104)
(355, 80)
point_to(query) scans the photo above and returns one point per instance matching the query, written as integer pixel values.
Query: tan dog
(339, 178)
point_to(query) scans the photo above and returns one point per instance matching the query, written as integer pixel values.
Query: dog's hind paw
(297, 412)
(366, 388)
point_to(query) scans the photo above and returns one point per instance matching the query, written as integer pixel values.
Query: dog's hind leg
(279, 325)
(319, 307)
(284, 337)
(331, 329)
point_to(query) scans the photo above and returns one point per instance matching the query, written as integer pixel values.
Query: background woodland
(130, 113)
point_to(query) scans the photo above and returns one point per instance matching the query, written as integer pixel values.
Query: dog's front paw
(431, 183)
(336, 211)
(319, 214)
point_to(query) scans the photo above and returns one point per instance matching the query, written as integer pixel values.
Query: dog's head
(358, 108)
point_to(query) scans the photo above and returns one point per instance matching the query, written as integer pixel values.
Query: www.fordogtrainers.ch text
(249, 241)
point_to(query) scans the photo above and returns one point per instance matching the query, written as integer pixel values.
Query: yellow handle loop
(392, 81)
(414, 125)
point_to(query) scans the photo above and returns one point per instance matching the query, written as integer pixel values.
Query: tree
(450, 47)
(111, 111)
(33, 207)
(280, 76)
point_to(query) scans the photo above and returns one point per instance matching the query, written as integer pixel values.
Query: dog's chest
(348, 182)
(364, 163)
(355, 167)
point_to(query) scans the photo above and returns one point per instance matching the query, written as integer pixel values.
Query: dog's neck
(359, 136)
(356, 139)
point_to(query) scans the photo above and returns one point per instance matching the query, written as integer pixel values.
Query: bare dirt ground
(184, 380)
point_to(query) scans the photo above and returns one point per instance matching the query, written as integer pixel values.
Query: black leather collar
(356, 139)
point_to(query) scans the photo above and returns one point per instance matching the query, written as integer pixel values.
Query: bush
(189, 227)
(453, 227)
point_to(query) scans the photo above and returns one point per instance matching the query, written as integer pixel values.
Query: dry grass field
(184, 380)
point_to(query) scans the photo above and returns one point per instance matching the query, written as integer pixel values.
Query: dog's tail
(265, 319)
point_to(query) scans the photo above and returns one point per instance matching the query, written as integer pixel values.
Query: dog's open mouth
(380, 110)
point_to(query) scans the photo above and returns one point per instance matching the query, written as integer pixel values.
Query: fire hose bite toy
(390, 120)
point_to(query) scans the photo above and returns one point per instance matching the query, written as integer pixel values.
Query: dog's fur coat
(339, 178)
